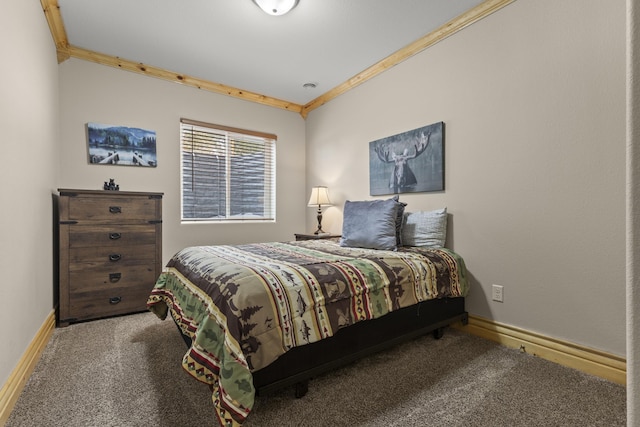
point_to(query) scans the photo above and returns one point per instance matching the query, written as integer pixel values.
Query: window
(228, 174)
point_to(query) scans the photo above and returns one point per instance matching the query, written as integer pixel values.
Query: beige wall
(533, 99)
(633, 212)
(29, 138)
(94, 93)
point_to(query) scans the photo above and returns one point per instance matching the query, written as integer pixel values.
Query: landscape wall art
(121, 145)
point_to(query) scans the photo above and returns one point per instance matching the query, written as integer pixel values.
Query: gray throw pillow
(427, 229)
(370, 224)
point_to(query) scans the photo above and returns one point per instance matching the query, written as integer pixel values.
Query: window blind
(228, 174)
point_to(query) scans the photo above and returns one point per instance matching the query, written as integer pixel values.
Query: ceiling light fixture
(276, 7)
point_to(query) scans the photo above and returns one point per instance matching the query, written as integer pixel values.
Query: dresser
(109, 252)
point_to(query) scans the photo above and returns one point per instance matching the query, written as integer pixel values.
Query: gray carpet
(126, 372)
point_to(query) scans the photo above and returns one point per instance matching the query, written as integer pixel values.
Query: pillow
(428, 229)
(399, 218)
(370, 224)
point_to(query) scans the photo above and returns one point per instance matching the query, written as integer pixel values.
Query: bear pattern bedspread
(243, 306)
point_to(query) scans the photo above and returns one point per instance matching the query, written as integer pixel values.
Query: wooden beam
(56, 26)
(65, 51)
(482, 10)
(151, 71)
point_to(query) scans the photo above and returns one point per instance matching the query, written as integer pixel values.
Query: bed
(262, 316)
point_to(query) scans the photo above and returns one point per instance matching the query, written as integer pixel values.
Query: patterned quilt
(244, 306)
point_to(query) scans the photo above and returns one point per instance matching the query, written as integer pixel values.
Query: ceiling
(233, 47)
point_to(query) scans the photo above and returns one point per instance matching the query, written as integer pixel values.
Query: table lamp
(319, 197)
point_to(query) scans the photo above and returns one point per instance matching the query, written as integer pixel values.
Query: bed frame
(300, 364)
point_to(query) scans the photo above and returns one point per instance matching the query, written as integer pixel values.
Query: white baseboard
(18, 378)
(590, 361)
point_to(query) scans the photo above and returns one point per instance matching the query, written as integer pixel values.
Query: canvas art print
(120, 145)
(410, 162)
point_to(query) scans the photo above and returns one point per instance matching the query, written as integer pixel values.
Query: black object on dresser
(109, 252)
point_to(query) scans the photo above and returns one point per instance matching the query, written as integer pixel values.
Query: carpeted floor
(126, 371)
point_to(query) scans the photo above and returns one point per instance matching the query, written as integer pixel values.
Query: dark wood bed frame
(300, 364)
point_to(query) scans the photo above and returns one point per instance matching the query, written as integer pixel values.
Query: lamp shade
(276, 7)
(319, 197)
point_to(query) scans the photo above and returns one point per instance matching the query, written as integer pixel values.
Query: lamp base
(319, 217)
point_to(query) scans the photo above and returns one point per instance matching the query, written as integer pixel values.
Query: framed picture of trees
(121, 145)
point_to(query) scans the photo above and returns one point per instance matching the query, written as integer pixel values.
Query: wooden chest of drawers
(110, 252)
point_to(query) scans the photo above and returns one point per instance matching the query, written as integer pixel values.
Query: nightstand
(303, 236)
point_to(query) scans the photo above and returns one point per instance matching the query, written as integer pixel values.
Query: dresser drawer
(108, 302)
(81, 236)
(112, 208)
(89, 277)
(113, 255)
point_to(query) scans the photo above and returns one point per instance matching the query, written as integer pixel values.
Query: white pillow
(425, 228)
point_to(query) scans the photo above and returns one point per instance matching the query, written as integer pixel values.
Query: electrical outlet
(497, 293)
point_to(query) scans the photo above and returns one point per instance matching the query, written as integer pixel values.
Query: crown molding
(151, 71)
(65, 51)
(51, 10)
(473, 15)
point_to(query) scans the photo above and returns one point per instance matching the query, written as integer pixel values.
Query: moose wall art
(410, 162)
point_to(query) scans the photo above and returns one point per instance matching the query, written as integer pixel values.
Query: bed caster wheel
(301, 389)
(438, 333)
(465, 319)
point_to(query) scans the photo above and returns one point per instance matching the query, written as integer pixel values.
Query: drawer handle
(115, 257)
(114, 277)
(115, 209)
(115, 236)
(115, 300)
